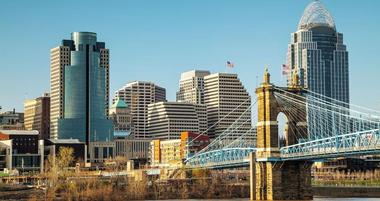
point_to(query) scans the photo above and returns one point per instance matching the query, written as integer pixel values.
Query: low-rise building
(21, 150)
(173, 152)
(52, 146)
(191, 143)
(12, 120)
(5, 154)
(133, 149)
(166, 152)
(100, 151)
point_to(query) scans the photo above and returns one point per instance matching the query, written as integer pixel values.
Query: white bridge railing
(358, 143)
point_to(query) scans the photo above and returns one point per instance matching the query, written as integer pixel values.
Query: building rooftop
(221, 74)
(316, 14)
(194, 73)
(65, 141)
(19, 132)
(119, 104)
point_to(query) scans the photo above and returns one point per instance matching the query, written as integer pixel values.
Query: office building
(132, 149)
(12, 120)
(191, 87)
(166, 120)
(21, 150)
(226, 101)
(138, 95)
(37, 115)
(79, 89)
(120, 114)
(318, 56)
(59, 58)
(100, 151)
(174, 152)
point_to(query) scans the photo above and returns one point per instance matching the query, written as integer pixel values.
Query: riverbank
(19, 192)
(182, 190)
(344, 192)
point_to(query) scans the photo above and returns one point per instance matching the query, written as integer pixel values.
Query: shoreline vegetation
(61, 181)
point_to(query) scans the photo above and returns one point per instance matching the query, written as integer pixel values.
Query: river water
(315, 199)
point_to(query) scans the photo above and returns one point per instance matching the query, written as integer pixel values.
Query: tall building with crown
(318, 62)
(318, 56)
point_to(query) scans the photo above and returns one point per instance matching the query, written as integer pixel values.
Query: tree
(65, 157)
(56, 167)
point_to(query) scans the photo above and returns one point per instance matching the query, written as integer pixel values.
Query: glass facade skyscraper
(85, 97)
(318, 58)
(318, 55)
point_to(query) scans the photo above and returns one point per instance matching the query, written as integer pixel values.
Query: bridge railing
(222, 157)
(358, 143)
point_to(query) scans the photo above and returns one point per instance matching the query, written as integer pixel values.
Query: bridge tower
(272, 178)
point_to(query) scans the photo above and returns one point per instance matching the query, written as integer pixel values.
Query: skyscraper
(37, 115)
(167, 120)
(191, 87)
(318, 56)
(227, 100)
(59, 58)
(138, 95)
(80, 86)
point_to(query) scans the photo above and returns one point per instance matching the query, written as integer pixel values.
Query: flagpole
(229, 64)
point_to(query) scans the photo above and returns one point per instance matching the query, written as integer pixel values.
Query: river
(315, 199)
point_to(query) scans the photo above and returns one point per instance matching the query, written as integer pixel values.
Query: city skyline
(250, 34)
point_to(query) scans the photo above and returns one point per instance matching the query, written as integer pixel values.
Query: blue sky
(157, 40)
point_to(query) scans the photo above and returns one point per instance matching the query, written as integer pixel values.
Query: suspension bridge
(317, 128)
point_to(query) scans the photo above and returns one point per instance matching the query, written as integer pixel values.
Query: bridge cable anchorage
(204, 132)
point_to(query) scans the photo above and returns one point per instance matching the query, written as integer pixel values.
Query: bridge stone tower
(271, 177)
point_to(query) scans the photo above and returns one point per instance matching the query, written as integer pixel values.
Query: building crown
(316, 14)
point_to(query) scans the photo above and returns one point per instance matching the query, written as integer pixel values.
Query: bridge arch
(274, 179)
(269, 108)
(282, 122)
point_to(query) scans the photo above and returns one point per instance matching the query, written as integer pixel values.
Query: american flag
(285, 69)
(230, 64)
